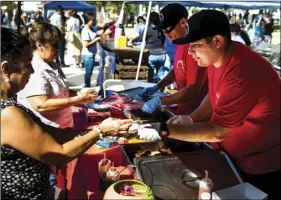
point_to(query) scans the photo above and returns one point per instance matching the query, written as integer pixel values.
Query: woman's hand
(103, 38)
(112, 126)
(87, 97)
(87, 90)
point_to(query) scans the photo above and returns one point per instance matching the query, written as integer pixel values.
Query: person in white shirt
(7, 20)
(235, 33)
(58, 20)
(46, 92)
(73, 37)
(138, 30)
(89, 40)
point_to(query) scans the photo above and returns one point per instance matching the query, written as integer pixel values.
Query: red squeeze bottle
(205, 188)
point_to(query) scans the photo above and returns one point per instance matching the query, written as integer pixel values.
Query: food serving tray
(167, 176)
(168, 144)
(177, 176)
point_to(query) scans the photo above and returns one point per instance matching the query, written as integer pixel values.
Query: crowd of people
(250, 30)
(79, 37)
(72, 26)
(259, 28)
(26, 19)
(221, 98)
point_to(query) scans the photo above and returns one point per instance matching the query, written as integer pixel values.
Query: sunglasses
(168, 29)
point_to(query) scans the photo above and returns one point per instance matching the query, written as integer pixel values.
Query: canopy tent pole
(252, 36)
(45, 13)
(140, 10)
(121, 15)
(143, 38)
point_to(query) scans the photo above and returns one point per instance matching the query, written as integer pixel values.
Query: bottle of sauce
(103, 166)
(112, 175)
(205, 188)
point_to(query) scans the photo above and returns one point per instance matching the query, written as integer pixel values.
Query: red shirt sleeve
(195, 75)
(236, 96)
(112, 29)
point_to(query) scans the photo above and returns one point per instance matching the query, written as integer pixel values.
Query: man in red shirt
(243, 102)
(189, 77)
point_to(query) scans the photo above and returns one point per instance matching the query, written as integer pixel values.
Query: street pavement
(75, 77)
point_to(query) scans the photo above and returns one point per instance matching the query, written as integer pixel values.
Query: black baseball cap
(170, 15)
(206, 23)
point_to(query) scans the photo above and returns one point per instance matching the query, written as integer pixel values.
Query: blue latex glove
(146, 92)
(151, 105)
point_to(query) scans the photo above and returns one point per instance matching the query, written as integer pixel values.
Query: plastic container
(118, 33)
(205, 188)
(112, 174)
(121, 42)
(113, 192)
(104, 165)
(241, 191)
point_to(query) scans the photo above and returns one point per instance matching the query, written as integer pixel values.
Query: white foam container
(241, 191)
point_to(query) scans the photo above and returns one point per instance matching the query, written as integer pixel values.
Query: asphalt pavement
(75, 76)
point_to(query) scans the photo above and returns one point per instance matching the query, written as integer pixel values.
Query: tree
(100, 4)
(10, 5)
(116, 6)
